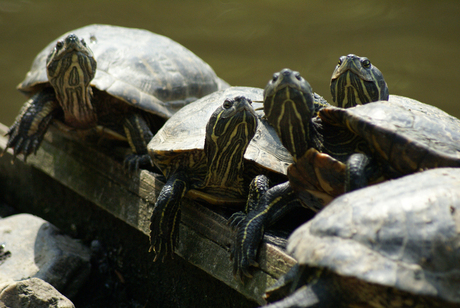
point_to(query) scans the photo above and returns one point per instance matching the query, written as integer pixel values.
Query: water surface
(415, 43)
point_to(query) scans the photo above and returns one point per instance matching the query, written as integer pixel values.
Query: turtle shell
(144, 69)
(403, 132)
(402, 233)
(185, 132)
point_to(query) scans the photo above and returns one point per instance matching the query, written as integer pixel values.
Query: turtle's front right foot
(29, 128)
(21, 141)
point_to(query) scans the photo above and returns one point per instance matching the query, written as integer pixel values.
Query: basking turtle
(322, 173)
(211, 150)
(344, 149)
(398, 132)
(141, 79)
(394, 244)
(289, 106)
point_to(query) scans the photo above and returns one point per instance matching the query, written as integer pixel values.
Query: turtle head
(355, 81)
(289, 107)
(70, 68)
(228, 133)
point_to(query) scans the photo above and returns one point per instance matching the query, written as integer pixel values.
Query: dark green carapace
(128, 81)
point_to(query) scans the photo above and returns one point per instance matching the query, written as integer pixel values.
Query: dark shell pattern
(144, 69)
(185, 131)
(402, 233)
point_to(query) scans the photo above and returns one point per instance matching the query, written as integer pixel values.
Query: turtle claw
(236, 219)
(243, 272)
(21, 143)
(133, 162)
(161, 249)
(243, 259)
(244, 252)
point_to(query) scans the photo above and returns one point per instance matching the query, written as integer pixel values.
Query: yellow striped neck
(289, 111)
(74, 95)
(71, 67)
(227, 138)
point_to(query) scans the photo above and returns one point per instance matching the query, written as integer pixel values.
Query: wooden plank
(205, 238)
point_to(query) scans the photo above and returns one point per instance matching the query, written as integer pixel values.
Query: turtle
(346, 149)
(319, 172)
(289, 106)
(210, 151)
(126, 80)
(393, 244)
(376, 117)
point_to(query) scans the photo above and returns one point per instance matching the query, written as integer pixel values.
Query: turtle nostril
(286, 72)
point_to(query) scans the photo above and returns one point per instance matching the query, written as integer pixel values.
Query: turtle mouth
(239, 104)
(70, 45)
(247, 107)
(360, 66)
(287, 79)
(71, 40)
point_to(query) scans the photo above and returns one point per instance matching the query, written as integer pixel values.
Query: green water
(415, 43)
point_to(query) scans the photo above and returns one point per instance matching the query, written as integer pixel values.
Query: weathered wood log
(205, 238)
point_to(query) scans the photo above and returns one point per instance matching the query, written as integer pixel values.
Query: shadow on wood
(97, 175)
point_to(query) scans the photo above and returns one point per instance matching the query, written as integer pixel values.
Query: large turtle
(141, 79)
(211, 150)
(394, 244)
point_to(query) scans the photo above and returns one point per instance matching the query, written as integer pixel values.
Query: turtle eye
(366, 63)
(59, 44)
(275, 77)
(297, 76)
(227, 104)
(83, 42)
(340, 61)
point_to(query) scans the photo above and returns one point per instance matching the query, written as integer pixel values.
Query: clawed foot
(243, 258)
(133, 162)
(244, 252)
(161, 248)
(162, 242)
(236, 219)
(21, 142)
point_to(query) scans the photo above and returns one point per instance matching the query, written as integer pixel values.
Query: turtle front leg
(273, 205)
(164, 223)
(139, 134)
(29, 128)
(257, 188)
(360, 171)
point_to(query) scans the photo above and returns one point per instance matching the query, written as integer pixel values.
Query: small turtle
(141, 79)
(211, 150)
(394, 244)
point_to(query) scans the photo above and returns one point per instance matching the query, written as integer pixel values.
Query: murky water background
(415, 43)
